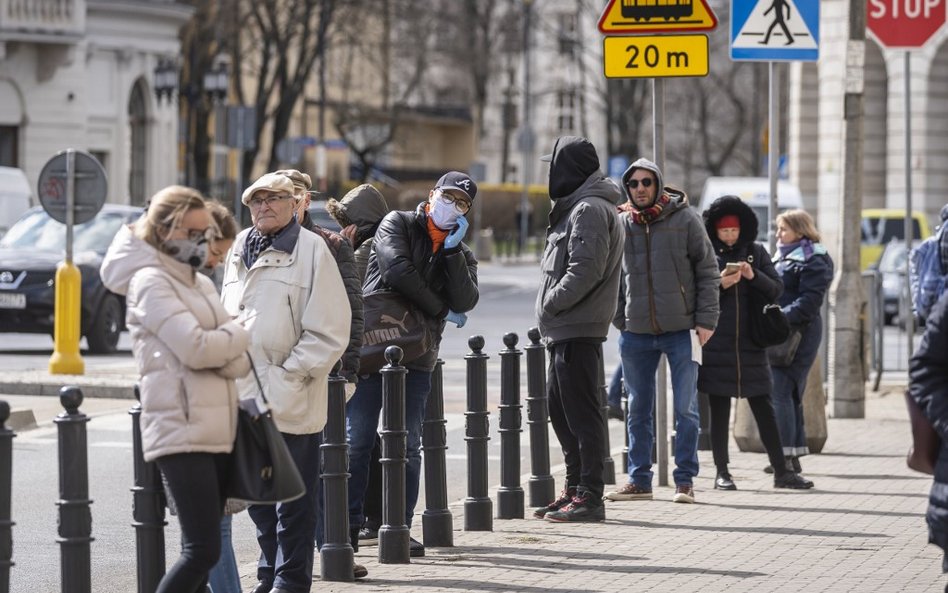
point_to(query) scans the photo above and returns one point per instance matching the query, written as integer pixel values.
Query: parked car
(317, 211)
(880, 226)
(895, 289)
(29, 255)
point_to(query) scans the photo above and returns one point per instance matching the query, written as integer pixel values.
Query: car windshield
(879, 231)
(38, 231)
(893, 258)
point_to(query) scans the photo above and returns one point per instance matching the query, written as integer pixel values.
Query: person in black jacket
(578, 289)
(928, 386)
(419, 255)
(732, 365)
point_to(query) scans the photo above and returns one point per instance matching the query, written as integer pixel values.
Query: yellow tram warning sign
(657, 16)
(655, 56)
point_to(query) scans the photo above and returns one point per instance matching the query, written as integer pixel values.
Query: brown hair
(800, 223)
(165, 211)
(224, 221)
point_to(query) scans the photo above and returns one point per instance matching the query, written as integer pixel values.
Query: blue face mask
(443, 214)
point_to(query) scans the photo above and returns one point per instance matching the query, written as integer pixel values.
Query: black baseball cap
(459, 181)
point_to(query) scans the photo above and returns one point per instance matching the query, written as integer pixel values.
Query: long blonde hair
(165, 211)
(800, 223)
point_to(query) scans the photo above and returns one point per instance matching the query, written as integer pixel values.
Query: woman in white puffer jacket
(189, 352)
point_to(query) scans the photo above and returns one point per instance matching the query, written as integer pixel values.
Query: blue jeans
(640, 355)
(285, 531)
(362, 421)
(224, 577)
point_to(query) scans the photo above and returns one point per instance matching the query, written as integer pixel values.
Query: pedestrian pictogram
(775, 30)
(657, 16)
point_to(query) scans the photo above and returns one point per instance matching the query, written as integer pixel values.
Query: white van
(15, 196)
(756, 192)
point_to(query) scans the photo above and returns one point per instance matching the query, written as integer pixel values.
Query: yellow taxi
(881, 225)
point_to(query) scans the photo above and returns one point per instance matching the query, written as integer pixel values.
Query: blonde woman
(806, 270)
(189, 352)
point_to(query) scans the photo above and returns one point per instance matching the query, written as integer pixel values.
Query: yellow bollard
(66, 329)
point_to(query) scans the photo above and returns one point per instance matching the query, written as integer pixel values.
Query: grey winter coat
(580, 267)
(670, 275)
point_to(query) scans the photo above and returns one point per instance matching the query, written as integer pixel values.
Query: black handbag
(391, 320)
(782, 354)
(768, 324)
(261, 470)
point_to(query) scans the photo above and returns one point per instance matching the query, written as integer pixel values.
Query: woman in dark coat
(732, 365)
(806, 271)
(928, 386)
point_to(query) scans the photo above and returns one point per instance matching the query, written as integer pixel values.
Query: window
(137, 123)
(565, 102)
(567, 33)
(8, 146)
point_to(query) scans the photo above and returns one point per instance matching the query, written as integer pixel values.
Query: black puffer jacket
(345, 260)
(732, 364)
(436, 283)
(928, 386)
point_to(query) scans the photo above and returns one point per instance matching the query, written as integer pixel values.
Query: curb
(52, 389)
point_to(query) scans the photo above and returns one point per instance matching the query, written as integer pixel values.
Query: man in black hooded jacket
(579, 288)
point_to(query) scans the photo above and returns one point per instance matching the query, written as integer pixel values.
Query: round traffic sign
(91, 187)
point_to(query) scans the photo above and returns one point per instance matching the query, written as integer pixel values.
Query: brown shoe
(684, 493)
(629, 492)
(359, 571)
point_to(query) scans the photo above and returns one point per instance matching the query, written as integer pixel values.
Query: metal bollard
(336, 555)
(148, 509)
(478, 515)
(393, 534)
(437, 523)
(510, 494)
(6, 483)
(541, 484)
(608, 465)
(75, 519)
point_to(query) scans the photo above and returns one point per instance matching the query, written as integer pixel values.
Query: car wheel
(104, 334)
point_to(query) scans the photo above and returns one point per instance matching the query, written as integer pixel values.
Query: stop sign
(905, 24)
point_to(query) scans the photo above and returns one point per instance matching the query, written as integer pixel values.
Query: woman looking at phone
(732, 365)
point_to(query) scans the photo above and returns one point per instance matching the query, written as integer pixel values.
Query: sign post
(907, 25)
(72, 190)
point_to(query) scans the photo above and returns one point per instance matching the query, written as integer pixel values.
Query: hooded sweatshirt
(581, 263)
(365, 207)
(670, 275)
(187, 348)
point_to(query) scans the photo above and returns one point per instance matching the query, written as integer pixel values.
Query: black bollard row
(75, 519)
(394, 533)
(336, 555)
(608, 465)
(478, 515)
(148, 509)
(436, 521)
(6, 483)
(510, 494)
(541, 484)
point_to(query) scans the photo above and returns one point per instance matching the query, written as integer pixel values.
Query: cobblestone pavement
(861, 529)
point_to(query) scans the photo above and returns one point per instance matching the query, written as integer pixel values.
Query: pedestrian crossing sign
(775, 30)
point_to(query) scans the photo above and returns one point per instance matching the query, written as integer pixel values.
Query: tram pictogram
(664, 9)
(656, 16)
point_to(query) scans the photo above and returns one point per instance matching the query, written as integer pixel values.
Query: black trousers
(196, 484)
(763, 411)
(372, 506)
(576, 413)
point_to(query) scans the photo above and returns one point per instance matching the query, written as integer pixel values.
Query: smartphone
(732, 268)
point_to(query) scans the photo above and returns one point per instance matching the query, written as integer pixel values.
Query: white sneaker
(684, 493)
(629, 492)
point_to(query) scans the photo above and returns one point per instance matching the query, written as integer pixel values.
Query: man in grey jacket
(579, 287)
(668, 304)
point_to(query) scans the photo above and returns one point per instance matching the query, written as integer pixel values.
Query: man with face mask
(578, 289)
(285, 286)
(668, 305)
(420, 255)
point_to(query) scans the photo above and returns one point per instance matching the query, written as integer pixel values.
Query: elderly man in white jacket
(286, 288)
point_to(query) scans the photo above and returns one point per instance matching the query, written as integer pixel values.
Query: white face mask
(186, 251)
(443, 215)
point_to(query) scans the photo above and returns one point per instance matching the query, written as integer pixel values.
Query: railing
(40, 18)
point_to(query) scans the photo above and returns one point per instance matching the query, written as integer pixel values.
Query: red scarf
(437, 235)
(652, 212)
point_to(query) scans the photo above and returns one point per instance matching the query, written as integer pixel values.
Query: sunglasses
(634, 183)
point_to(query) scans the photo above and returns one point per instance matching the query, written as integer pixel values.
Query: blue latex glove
(455, 236)
(459, 319)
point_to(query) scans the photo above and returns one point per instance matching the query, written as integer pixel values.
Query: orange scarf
(437, 235)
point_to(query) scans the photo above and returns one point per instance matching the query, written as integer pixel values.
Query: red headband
(728, 221)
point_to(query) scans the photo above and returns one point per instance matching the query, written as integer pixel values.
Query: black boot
(354, 538)
(792, 480)
(723, 481)
(795, 464)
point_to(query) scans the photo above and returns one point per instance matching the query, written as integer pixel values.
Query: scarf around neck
(649, 214)
(787, 249)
